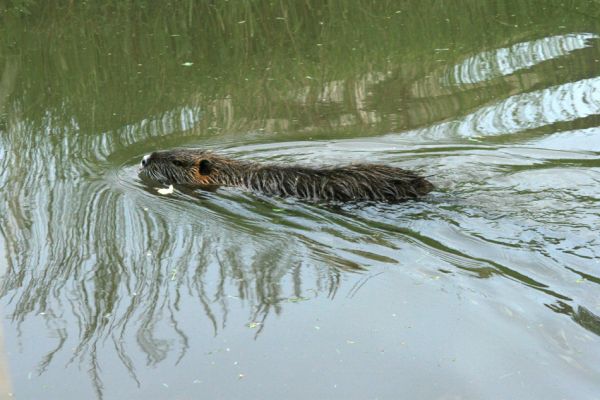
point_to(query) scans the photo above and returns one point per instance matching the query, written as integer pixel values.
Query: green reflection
(312, 66)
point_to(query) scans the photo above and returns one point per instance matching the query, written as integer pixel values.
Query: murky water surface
(486, 289)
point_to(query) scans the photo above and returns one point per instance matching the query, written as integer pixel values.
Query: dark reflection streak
(202, 297)
(47, 359)
(155, 349)
(11, 227)
(587, 320)
(107, 276)
(75, 309)
(262, 310)
(237, 272)
(583, 317)
(125, 359)
(127, 316)
(178, 275)
(484, 238)
(269, 278)
(92, 327)
(358, 285)
(224, 311)
(119, 339)
(297, 280)
(94, 371)
(335, 278)
(184, 339)
(220, 295)
(10, 270)
(585, 276)
(561, 308)
(88, 221)
(88, 326)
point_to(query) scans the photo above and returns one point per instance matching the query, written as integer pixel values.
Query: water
(486, 288)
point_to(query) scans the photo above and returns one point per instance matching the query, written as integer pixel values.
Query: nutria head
(194, 167)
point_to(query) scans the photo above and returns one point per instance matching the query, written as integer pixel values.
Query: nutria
(354, 182)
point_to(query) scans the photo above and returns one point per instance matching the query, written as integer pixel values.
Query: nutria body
(354, 182)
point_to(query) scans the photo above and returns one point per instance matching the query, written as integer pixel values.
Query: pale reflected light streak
(522, 112)
(518, 113)
(507, 60)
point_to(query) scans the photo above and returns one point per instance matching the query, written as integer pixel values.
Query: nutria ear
(205, 167)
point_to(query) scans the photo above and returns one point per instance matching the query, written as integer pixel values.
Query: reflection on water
(564, 103)
(231, 294)
(508, 60)
(519, 113)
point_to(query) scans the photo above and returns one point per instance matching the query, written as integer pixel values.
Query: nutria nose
(146, 160)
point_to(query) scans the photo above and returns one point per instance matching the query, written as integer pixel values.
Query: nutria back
(354, 182)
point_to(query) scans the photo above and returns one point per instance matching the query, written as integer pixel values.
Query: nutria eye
(178, 163)
(205, 167)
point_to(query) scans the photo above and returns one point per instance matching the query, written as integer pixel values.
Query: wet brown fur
(354, 182)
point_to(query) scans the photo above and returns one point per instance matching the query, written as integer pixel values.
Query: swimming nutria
(354, 182)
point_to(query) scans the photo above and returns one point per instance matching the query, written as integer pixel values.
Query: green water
(486, 289)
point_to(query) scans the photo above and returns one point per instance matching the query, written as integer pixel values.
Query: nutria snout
(354, 182)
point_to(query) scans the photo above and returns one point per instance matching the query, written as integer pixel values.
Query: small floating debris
(187, 64)
(168, 190)
(253, 325)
